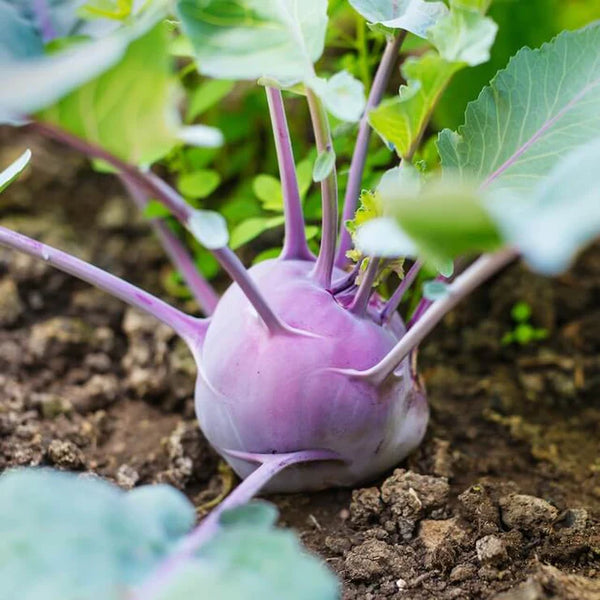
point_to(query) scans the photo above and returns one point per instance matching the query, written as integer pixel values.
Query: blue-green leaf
(14, 170)
(323, 165)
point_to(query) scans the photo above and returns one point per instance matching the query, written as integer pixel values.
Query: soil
(502, 500)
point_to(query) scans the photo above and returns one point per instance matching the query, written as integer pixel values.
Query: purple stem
(483, 268)
(202, 291)
(359, 157)
(361, 300)
(323, 269)
(156, 187)
(271, 464)
(343, 283)
(294, 245)
(44, 20)
(392, 304)
(191, 329)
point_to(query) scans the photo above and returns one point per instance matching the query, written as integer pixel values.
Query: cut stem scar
(294, 245)
(270, 465)
(191, 329)
(483, 268)
(359, 157)
(324, 266)
(392, 304)
(202, 291)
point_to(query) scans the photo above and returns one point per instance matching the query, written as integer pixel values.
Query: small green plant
(523, 332)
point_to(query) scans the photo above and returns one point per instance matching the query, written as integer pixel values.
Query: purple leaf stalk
(304, 379)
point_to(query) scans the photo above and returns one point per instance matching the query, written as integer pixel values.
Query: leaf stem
(323, 269)
(359, 157)
(483, 268)
(392, 304)
(270, 465)
(202, 291)
(294, 246)
(347, 280)
(191, 329)
(156, 187)
(365, 289)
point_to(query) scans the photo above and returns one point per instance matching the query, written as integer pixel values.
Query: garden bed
(503, 496)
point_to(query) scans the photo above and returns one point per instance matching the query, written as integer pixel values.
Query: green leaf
(249, 39)
(206, 95)
(198, 184)
(251, 228)
(401, 121)
(383, 237)
(64, 537)
(156, 210)
(125, 109)
(268, 190)
(561, 214)
(323, 165)
(33, 81)
(543, 105)
(476, 5)
(342, 94)
(14, 170)
(416, 16)
(464, 36)
(252, 560)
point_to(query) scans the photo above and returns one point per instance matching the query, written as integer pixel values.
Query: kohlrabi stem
(423, 305)
(271, 464)
(392, 304)
(343, 283)
(191, 329)
(357, 165)
(365, 289)
(44, 20)
(483, 268)
(294, 245)
(180, 209)
(324, 266)
(202, 291)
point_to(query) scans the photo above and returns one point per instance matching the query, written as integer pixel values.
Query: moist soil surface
(502, 500)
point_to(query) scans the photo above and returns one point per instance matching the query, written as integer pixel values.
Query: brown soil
(501, 502)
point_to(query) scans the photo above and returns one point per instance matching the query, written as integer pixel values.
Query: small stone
(491, 550)
(365, 506)
(401, 584)
(527, 513)
(11, 307)
(127, 477)
(63, 453)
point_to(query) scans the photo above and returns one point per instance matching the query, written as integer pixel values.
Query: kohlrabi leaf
(342, 94)
(445, 219)
(464, 36)
(401, 120)
(126, 109)
(560, 215)
(19, 38)
(249, 558)
(14, 170)
(32, 80)
(65, 537)
(249, 39)
(206, 95)
(324, 165)
(383, 237)
(416, 16)
(209, 228)
(268, 190)
(543, 105)
(435, 290)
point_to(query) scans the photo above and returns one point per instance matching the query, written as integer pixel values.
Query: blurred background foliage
(240, 179)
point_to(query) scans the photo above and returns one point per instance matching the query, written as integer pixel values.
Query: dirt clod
(491, 550)
(527, 513)
(65, 454)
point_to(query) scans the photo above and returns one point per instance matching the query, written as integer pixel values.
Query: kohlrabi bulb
(263, 393)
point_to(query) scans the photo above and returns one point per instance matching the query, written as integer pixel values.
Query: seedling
(524, 332)
(304, 378)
